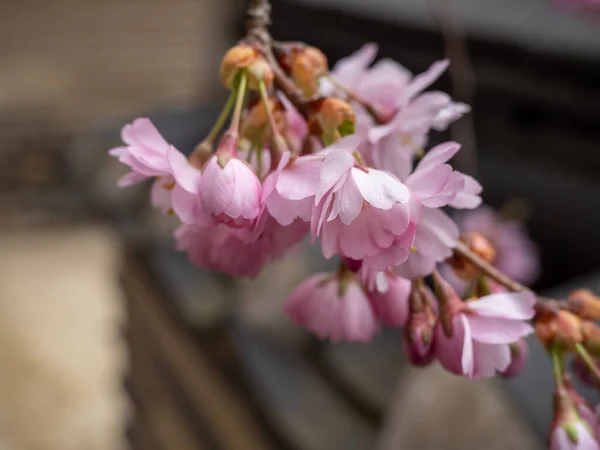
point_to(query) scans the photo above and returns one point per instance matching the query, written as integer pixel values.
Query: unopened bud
(568, 429)
(238, 57)
(479, 245)
(585, 304)
(448, 300)
(519, 351)
(307, 66)
(333, 112)
(258, 71)
(563, 329)
(255, 121)
(419, 331)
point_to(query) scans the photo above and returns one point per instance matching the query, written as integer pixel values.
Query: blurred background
(109, 339)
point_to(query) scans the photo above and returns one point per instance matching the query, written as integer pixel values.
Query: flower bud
(479, 245)
(448, 300)
(246, 57)
(260, 70)
(419, 331)
(238, 57)
(569, 430)
(334, 112)
(307, 65)
(255, 122)
(519, 351)
(563, 329)
(585, 304)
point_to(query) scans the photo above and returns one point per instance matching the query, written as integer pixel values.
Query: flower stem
(212, 135)
(557, 365)
(240, 92)
(277, 140)
(589, 362)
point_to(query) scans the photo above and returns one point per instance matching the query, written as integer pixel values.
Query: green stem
(557, 365)
(587, 359)
(265, 99)
(214, 132)
(240, 93)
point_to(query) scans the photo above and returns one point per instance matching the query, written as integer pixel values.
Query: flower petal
(187, 176)
(491, 330)
(505, 305)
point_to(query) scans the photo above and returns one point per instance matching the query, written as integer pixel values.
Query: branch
(543, 304)
(259, 19)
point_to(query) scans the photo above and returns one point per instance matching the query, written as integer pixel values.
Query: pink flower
(238, 252)
(573, 435)
(476, 341)
(362, 213)
(333, 307)
(391, 304)
(149, 155)
(436, 184)
(396, 95)
(289, 191)
(231, 191)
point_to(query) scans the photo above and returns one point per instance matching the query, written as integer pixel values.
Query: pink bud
(569, 431)
(231, 191)
(519, 352)
(420, 330)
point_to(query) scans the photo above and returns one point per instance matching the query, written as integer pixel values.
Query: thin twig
(542, 303)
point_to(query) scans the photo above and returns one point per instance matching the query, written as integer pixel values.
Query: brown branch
(259, 19)
(543, 304)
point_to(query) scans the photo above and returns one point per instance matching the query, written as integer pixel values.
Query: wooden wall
(66, 64)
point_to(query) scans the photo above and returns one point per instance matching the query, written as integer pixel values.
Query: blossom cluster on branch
(342, 156)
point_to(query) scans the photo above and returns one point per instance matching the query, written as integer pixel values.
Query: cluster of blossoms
(349, 166)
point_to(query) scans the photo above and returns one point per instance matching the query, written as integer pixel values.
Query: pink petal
(160, 197)
(469, 197)
(449, 114)
(348, 70)
(506, 305)
(497, 331)
(490, 359)
(143, 132)
(449, 351)
(468, 357)
(390, 156)
(300, 180)
(335, 168)
(380, 189)
(347, 204)
(425, 79)
(185, 175)
(391, 307)
(427, 184)
(131, 178)
(439, 154)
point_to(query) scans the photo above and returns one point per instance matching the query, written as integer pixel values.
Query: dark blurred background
(109, 339)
